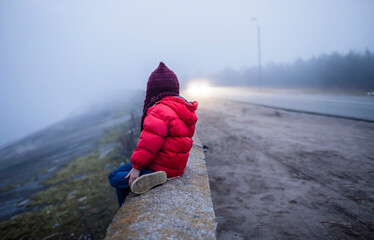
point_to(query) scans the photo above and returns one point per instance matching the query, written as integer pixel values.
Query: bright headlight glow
(199, 88)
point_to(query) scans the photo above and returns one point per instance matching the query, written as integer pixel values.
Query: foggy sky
(57, 56)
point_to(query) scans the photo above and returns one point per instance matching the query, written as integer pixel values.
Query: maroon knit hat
(162, 82)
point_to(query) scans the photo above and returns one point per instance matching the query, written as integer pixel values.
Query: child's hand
(133, 174)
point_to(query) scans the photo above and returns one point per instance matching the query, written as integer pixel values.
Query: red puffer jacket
(166, 138)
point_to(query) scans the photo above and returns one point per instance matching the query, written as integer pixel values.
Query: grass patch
(78, 202)
(41, 171)
(80, 165)
(7, 188)
(113, 134)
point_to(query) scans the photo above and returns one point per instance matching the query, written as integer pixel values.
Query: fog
(58, 57)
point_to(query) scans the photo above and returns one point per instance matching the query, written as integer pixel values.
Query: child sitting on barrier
(167, 127)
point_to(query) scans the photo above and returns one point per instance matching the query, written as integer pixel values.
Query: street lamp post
(259, 50)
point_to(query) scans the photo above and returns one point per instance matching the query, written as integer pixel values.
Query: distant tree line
(353, 71)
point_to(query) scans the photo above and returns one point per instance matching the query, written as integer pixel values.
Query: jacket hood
(184, 109)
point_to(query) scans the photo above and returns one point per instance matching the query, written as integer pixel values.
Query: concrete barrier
(179, 209)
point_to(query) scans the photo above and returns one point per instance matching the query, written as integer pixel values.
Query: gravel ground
(285, 175)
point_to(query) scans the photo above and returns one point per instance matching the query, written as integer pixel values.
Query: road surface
(356, 107)
(277, 174)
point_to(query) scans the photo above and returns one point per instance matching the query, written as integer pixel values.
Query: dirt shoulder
(284, 175)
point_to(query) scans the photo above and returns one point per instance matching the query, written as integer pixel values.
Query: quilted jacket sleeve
(152, 137)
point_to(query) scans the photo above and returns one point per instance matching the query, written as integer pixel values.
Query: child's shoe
(145, 182)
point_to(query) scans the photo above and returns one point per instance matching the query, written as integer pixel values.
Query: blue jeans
(117, 180)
